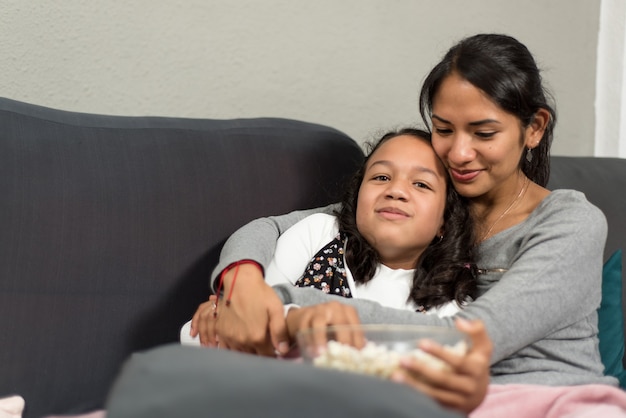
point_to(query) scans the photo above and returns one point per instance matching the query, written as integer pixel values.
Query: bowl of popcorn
(375, 349)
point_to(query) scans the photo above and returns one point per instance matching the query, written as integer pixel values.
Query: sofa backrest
(603, 180)
(111, 226)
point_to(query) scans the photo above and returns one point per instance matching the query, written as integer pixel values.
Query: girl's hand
(203, 323)
(254, 321)
(322, 315)
(464, 385)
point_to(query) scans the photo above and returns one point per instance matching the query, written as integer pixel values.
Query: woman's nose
(461, 149)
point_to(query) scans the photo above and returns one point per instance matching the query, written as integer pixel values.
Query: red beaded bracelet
(236, 265)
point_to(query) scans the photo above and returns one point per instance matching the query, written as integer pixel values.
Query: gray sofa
(111, 225)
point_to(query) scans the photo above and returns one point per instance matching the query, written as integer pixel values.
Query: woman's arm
(254, 309)
(370, 312)
(554, 281)
(257, 240)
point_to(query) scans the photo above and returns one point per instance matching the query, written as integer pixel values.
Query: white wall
(352, 64)
(610, 132)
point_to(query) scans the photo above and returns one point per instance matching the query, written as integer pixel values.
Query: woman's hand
(253, 322)
(464, 385)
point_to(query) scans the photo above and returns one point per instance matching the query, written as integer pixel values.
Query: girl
(399, 220)
(402, 236)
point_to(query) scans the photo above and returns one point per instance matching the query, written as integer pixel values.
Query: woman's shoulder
(563, 207)
(568, 200)
(564, 217)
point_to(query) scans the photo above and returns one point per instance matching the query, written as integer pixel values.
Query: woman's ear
(536, 128)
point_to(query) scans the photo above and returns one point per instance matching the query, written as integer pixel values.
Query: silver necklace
(508, 209)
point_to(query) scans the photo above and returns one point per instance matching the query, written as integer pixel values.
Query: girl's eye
(421, 185)
(381, 177)
(485, 135)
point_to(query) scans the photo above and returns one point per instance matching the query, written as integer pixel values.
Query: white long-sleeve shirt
(299, 244)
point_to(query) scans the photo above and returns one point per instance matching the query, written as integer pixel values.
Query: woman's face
(401, 200)
(480, 143)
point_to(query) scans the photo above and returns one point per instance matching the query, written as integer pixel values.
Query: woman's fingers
(450, 398)
(463, 380)
(481, 344)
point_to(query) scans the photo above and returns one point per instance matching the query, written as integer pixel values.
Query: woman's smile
(463, 176)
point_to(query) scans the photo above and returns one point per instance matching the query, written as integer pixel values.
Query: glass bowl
(375, 349)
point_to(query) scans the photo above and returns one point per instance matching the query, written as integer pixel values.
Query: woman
(539, 252)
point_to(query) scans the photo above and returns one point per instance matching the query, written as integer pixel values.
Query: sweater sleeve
(257, 239)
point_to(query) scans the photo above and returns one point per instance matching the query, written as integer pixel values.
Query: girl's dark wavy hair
(446, 270)
(506, 71)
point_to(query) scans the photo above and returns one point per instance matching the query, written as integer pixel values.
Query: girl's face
(402, 200)
(480, 143)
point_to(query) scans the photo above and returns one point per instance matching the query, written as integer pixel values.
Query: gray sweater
(539, 290)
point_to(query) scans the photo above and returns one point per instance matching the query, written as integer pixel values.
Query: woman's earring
(529, 155)
(440, 238)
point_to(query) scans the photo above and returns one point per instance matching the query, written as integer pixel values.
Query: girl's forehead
(403, 144)
(408, 151)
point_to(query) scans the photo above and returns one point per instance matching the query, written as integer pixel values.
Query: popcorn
(374, 359)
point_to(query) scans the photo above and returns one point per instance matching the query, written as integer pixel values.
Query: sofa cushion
(610, 321)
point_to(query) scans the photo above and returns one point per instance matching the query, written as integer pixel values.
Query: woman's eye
(443, 131)
(380, 177)
(485, 135)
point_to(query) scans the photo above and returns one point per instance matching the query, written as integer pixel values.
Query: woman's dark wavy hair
(446, 270)
(506, 71)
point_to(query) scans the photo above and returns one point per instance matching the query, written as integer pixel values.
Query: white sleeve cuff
(289, 306)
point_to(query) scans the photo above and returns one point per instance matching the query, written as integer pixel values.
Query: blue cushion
(610, 319)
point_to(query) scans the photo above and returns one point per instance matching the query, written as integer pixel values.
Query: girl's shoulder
(318, 219)
(317, 226)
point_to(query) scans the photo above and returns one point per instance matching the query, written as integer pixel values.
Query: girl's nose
(397, 190)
